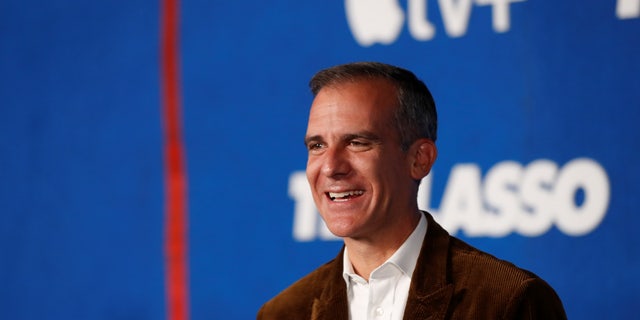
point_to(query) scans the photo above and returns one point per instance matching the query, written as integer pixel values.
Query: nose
(335, 163)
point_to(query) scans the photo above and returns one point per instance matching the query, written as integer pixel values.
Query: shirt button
(379, 312)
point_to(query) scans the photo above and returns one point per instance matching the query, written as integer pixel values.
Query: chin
(342, 229)
(343, 223)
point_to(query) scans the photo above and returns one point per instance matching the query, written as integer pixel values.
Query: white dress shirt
(384, 296)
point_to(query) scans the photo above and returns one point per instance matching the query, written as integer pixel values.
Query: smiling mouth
(344, 196)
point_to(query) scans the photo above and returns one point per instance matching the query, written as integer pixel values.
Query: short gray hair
(416, 116)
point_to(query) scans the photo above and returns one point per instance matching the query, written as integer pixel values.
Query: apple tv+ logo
(381, 21)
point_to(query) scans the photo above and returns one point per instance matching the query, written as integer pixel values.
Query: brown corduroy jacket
(452, 280)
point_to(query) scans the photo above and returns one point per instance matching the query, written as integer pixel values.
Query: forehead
(365, 102)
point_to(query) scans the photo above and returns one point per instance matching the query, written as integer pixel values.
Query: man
(371, 139)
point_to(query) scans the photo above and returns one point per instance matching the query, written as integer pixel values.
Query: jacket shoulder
(298, 298)
(467, 261)
(499, 286)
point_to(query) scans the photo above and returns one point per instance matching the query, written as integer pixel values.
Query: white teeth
(337, 195)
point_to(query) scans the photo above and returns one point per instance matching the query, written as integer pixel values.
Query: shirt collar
(405, 258)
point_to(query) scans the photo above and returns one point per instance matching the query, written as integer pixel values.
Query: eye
(314, 146)
(359, 144)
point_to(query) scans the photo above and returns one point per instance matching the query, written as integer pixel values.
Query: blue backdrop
(538, 145)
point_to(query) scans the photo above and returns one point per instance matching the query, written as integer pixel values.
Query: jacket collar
(430, 291)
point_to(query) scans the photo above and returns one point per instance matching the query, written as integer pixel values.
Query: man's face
(359, 175)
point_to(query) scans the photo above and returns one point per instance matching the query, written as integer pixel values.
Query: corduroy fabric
(452, 280)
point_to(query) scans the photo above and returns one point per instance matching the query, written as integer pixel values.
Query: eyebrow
(367, 135)
(372, 137)
(308, 139)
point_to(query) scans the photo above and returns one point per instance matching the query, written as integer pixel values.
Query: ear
(424, 153)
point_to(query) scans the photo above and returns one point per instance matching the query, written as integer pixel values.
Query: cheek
(312, 172)
(390, 170)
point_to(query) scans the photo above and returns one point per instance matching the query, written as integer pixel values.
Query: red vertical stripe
(177, 293)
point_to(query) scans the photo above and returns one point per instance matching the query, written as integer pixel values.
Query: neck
(366, 254)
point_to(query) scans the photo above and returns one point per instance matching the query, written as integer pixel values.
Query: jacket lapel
(432, 306)
(430, 292)
(332, 303)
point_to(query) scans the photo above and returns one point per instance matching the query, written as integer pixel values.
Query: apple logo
(628, 9)
(374, 21)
